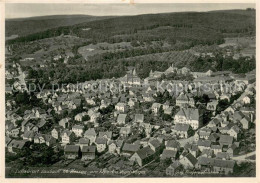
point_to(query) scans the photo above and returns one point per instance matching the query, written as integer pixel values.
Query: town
(205, 131)
(145, 95)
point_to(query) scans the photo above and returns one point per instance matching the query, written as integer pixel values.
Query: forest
(181, 32)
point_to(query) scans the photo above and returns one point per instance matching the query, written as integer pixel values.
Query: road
(21, 78)
(244, 156)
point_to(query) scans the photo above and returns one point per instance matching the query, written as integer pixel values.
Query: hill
(26, 26)
(106, 48)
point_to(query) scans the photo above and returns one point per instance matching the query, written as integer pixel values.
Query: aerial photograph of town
(130, 90)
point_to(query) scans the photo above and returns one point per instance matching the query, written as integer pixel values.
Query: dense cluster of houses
(211, 149)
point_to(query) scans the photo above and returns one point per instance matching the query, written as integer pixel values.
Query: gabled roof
(183, 97)
(139, 117)
(173, 144)
(101, 140)
(84, 140)
(90, 132)
(226, 139)
(71, 148)
(205, 143)
(67, 132)
(88, 149)
(155, 143)
(224, 163)
(189, 113)
(222, 155)
(181, 127)
(145, 152)
(169, 153)
(17, 143)
(121, 117)
(80, 127)
(48, 138)
(174, 165)
(107, 134)
(131, 147)
(191, 158)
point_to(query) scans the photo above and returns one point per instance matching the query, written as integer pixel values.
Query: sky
(19, 10)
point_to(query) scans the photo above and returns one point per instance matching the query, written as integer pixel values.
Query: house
(233, 149)
(64, 122)
(215, 165)
(188, 116)
(49, 140)
(125, 131)
(184, 100)
(223, 155)
(91, 135)
(101, 143)
(246, 100)
(83, 142)
(155, 145)
(192, 148)
(173, 145)
(106, 134)
(78, 130)
(121, 107)
(71, 151)
(204, 133)
(188, 161)
(132, 102)
(121, 119)
(15, 145)
(12, 131)
(139, 118)
(39, 139)
(204, 144)
(226, 140)
(148, 97)
(238, 116)
(182, 130)
(28, 135)
(223, 166)
(173, 168)
(67, 137)
(156, 107)
(115, 147)
(79, 117)
(88, 153)
(7, 141)
(207, 153)
(130, 149)
(245, 122)
(55, 133)
(94, 116)
(215, 122)
(212, 106)
(234, 131)
(143, 156)
(216, 148)
(168, 110)
(169, 154)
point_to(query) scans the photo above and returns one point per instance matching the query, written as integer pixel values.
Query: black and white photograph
(130, 90)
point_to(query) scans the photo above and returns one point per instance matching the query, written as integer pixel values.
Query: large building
(189, 116)
(131, 78)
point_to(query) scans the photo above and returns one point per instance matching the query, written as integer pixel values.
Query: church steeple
(134, 72)
(151, 73)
